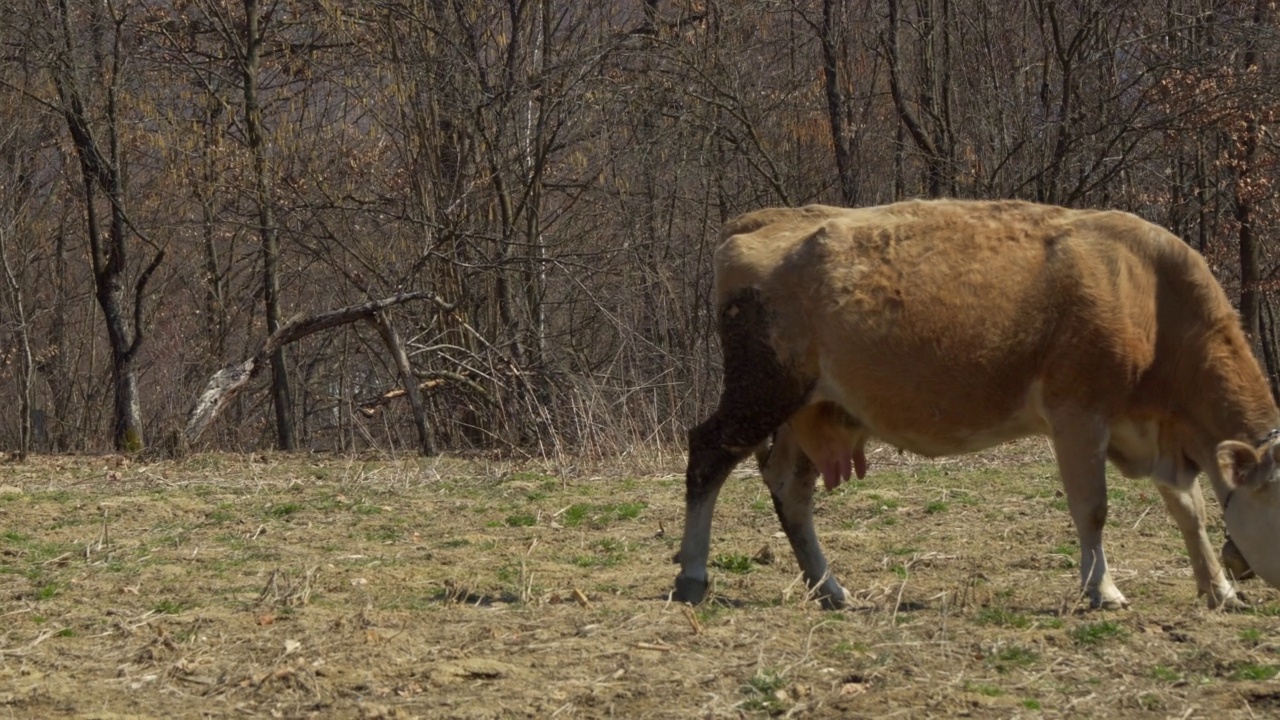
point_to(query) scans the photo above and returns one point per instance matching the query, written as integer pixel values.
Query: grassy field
(305, 586)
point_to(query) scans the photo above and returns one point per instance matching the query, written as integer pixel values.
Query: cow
(944, 327)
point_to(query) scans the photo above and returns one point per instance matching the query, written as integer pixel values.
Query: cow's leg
(1187, 509)
(760, 393)
(790, 477)
(1080, 444)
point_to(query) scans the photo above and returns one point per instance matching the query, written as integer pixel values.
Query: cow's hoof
(1120, 603)
(689, 590)
(834, 601)
(1231, 603)
(1110, 599)
(830, 596)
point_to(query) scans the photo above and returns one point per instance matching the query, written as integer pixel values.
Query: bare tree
(15, 262)
(249, 56)
(102, 174)
(560, 172)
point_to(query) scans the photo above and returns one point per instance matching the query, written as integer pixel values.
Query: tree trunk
(838, 105)
(281, 393)
(1245, 197)
(1267, 321)
(906, 117)
(14, 286)
(1250, 259)
(392, 340)
(215, 296)
(101, 170)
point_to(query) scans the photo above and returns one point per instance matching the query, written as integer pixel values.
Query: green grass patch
(48, 591)
(529, 476)
(1002, 617)
(1251, 636)
(1267, 611)
(1014, 656)
(221, 514)
(627, 510)
(508, 573)
(384, 533)
(574, 515)
(58, 496)
(283, 510)
(765, 693)
(1098, 632)
(1254, 672)
(597, 560)
(881, 504)
(169, 607)
(520, 520)
(984, 690)
(608, 553)
(600, 516)
(733, 563)
(1068, 549)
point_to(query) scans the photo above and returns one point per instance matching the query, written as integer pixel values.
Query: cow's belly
(956, 439)
(935, 425)
(958, 443)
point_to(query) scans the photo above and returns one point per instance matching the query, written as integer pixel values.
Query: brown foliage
(558, 171)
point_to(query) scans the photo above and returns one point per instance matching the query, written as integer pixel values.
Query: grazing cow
(944, 327)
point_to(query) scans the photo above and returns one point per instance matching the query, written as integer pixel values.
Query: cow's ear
(1238, 462)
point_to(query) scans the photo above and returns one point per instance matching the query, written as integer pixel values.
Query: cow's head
(1251, 508)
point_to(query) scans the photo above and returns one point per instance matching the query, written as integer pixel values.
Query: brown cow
(944, 327)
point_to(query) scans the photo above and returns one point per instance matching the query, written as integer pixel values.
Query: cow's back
(944, 322)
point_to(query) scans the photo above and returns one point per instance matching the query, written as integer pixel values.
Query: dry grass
(347, 587)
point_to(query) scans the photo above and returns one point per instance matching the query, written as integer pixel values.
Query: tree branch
(139, 291)
(229, 381)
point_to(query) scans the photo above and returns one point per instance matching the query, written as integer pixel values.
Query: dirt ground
(305, 586)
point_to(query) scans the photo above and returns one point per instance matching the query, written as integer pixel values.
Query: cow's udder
(838, 463)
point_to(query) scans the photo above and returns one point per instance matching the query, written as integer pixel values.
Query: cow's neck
(1227, 394)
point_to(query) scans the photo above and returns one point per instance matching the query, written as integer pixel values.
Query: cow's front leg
(790, 477)
(1080, 445)
(1187, 509)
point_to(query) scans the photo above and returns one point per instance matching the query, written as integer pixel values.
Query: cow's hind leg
(1080, 442)
(1186, 507)
(760, 393)
(790, 477)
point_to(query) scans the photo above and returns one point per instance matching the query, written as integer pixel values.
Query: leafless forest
(487, 223)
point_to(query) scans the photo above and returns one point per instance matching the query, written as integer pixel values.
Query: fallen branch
(369, 408)
(435, 378)
(229, 381)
